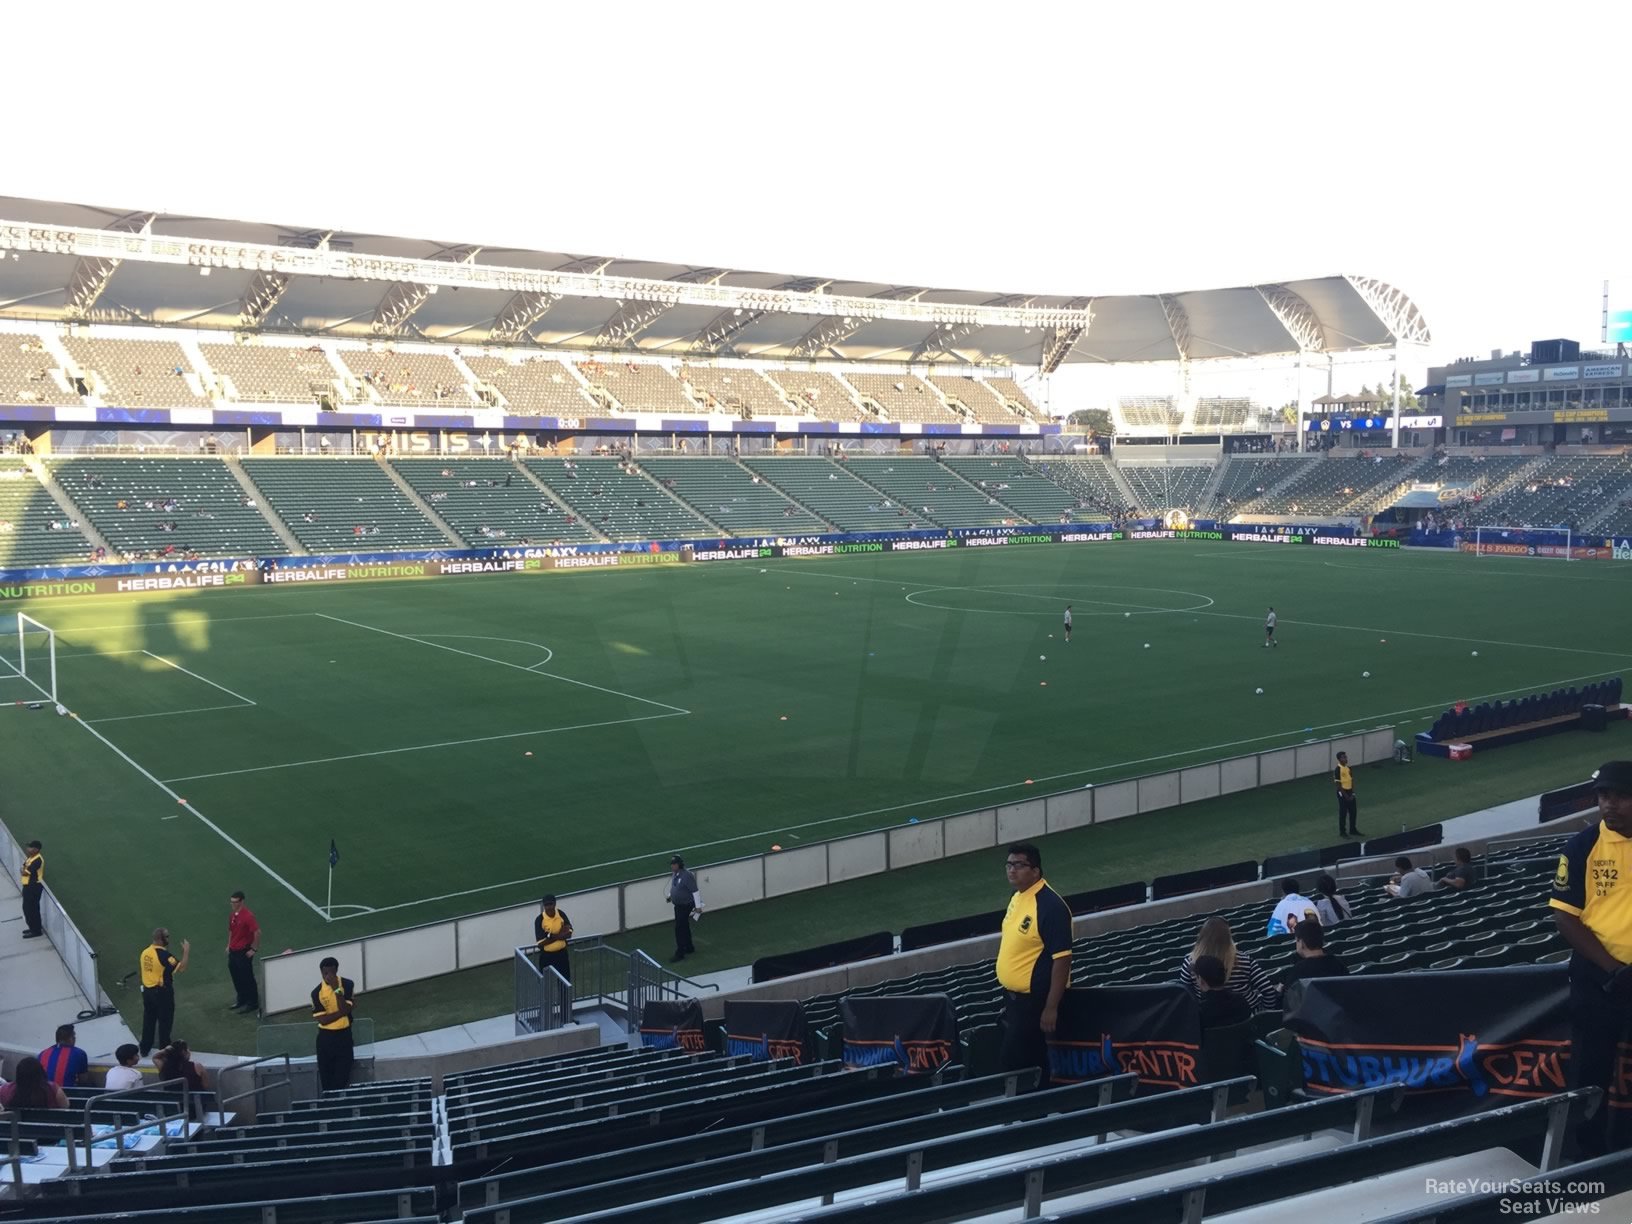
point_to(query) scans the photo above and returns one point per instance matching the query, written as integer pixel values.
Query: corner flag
(334, 854)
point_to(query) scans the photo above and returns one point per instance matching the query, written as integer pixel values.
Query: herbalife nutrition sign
(1622, 550)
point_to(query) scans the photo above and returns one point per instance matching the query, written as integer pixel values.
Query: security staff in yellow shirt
(1592, 905)
(333, 1001)
(159, 968)
(1348, 807)
(32, 880)
(1033, 962)
(551, 930)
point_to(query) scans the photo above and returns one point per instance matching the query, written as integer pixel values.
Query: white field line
(1253, 616)
(166, 713)
(1357, 722)
(424, 641)
(196, 676)
(481, 739)
(206, 821)
(141, 626)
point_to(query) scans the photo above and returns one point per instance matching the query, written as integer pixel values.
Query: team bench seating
(1512, 722)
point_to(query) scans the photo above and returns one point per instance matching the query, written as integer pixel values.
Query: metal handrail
(120, 1132)
(670, 973)
(223, 1102)
(14, 1154)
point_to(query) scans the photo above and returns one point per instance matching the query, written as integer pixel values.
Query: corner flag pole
(334, 861)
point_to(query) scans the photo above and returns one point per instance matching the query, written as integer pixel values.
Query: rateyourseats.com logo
(1527, 1068)
(1523, 1198)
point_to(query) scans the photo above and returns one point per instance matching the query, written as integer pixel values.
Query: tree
(1096, 419)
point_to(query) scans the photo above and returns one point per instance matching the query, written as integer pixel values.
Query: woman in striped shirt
(1242, 974)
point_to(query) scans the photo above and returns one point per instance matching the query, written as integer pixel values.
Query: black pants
(560, 961)
(682, 930)
(31, 908)
(1348, 813)
(1597, 1028)
(241, 966)
(1024, 1043)
(334, 1058)
(158, 1014)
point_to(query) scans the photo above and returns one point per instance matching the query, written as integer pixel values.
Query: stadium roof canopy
(106, 265)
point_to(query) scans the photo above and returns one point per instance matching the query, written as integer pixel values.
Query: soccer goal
(29, 661)
(1494, 540)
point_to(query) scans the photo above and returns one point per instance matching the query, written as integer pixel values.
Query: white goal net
(28, 661)
(1498, 541)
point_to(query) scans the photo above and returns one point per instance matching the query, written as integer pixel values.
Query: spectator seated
(136, 373)
(409, 380)
(159, 509)
(830, 491)
(1160, 487)
(29, 374)
(273, 374)
(1020, 486)
(491, 503)
(1332, 487)
(737, 499)
(927, 488)
(34, 530)
(1092, 483)
(618, 502)
(821, 395)
(736, 391)
(342, 505)
(640, 387)
(1247, 480)
(902, 397)
(535, 386)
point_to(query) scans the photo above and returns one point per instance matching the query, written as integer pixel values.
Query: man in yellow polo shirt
(1033, 962)
(333, 1001)
(1592, 905)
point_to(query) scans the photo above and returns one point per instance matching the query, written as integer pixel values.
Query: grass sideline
(1278, 820)
(913, 685)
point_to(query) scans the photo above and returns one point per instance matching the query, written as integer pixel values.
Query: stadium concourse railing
(75, 950)
(411, 954)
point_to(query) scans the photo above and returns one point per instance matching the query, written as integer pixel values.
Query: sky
(1468, 153)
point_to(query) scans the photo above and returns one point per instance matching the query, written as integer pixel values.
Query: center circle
(1019, 600)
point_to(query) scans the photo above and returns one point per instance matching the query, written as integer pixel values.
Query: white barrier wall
(377, 961)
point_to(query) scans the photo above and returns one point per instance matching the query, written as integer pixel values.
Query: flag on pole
(334, 855)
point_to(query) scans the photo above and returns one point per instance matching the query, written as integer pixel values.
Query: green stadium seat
(339, 496)
(830, 491)
(210, 516)
(736, 498)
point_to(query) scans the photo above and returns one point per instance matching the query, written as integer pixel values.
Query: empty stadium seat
(828, 490)
(620, 505)
(734, 497)
(324, 503)
(125, 500)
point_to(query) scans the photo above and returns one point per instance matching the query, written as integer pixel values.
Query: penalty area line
(481, 739)
(470, 654)
(206, 821)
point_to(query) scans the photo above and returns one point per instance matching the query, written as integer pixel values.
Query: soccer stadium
(389, 585)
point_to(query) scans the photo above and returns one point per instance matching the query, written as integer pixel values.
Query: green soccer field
(473, 743)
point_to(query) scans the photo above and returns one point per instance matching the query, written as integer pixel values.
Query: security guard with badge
(334, 999)
(159, 968)
(1348, 807)
(32, 881)
(1033, 962)
(1592, 905)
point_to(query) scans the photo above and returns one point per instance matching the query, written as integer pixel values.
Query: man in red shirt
(243, 942)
